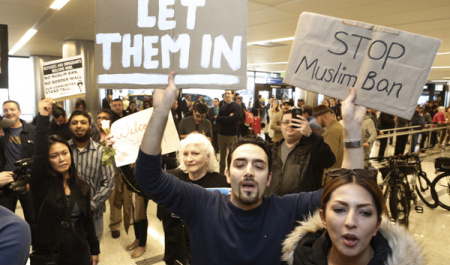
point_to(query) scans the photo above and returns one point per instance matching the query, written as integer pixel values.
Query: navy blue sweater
(221, 233)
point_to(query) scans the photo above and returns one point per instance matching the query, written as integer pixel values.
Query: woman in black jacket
(54, 180)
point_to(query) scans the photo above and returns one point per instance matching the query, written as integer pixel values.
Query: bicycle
(399, 191)
(442, 182)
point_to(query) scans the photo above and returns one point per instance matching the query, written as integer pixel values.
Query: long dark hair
(367, 183)
(78, 187)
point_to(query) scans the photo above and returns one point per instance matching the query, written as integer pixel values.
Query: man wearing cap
(334, 133)
(298, 160)
(275, 125)
(417, 120)
(315, 127)
(299, 104)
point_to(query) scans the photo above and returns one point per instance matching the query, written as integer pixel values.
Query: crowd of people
(307, 164)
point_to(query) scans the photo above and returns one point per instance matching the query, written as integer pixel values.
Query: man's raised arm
(162, 103)
(353, 116)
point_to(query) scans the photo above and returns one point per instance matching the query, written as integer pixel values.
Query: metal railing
(413, 130)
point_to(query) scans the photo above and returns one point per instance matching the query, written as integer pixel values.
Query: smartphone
(296, 113)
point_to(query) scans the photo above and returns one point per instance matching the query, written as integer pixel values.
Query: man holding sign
(244, 227)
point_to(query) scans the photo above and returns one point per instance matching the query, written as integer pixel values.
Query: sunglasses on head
(338, 172)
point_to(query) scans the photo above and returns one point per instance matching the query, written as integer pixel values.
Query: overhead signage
(274, 80)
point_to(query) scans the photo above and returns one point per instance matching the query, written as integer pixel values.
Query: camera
(22, 174)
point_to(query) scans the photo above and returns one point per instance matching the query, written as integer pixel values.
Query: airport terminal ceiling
(267, 20)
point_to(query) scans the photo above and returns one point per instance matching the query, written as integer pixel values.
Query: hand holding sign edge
(163, 101)
(353, 116)
(165, 98)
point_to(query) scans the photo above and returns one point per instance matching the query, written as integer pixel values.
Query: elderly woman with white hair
(197, 165)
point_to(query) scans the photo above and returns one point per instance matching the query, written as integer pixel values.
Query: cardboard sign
(64, 79)
(128, 132)
(388, 67)
(139, 42)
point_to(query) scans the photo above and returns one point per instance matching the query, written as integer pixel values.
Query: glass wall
(21, 86)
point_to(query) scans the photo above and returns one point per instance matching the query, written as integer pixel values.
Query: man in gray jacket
(368, 134)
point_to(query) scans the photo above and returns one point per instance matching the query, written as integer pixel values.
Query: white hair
(212, 165)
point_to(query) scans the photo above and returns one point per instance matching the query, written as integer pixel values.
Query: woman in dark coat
(54, 180)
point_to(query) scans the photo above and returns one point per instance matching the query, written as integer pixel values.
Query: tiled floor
(431, 228)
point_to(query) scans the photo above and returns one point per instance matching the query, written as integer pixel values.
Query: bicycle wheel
(399, 204)
(441, 184)
(425, 190)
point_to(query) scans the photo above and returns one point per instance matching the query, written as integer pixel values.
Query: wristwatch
(352, 144)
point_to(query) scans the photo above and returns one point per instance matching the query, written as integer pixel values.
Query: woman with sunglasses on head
(351, 227)
(56, 188)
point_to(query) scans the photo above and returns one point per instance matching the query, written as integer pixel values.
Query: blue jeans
(98, 223)
(414, 142)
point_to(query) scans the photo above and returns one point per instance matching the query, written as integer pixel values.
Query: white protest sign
(139, 42)
(64, 78)
(128, 132)
(388, 67)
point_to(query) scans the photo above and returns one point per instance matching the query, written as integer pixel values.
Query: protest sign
(388, 67)
(128, 132)
(64, 79)
(139, 42)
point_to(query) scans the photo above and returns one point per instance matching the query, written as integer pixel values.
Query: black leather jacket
(26, 139)
(304, 166)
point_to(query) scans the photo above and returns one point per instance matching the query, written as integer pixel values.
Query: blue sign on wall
(274, 80)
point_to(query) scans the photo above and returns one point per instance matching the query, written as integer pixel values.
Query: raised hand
(45, 106)
(164, 98)
(352, 114)
(303, 126)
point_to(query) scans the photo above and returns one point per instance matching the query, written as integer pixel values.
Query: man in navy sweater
(244, 227)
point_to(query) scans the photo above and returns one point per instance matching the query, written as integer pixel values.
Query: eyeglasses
(338, 172)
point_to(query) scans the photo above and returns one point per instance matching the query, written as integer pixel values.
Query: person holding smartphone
(300, 158)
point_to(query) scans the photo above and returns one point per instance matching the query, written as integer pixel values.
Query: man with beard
(243, 227)
(87, 156)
